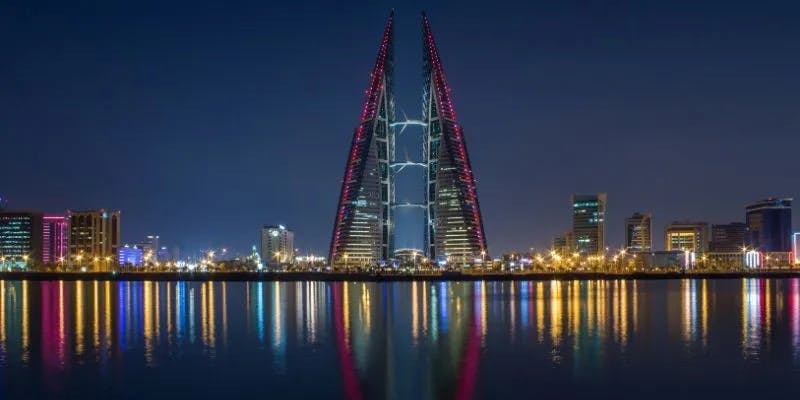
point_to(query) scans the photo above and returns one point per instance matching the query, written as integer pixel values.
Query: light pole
(25, 260)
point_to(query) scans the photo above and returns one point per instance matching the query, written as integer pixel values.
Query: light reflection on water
(395, 339)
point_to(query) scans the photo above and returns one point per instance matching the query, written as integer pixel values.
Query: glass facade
(589, 223)
(454, 223)
(20, 238)
(362, 232)
(769, 225)
(638, 232)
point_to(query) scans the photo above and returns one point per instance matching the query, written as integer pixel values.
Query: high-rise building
(94, 234)
(638, 232)
(277, 246)
(454, 222)
(363, 229)
(589, 223)
(728, 238)
(20, 238)
(686, 236)
(55, 239)
(769, 225)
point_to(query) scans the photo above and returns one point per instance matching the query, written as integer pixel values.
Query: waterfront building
(55, 239)
(588, 223)
(776, 259)
(769, 225)
(150, 249)
(638, 232)
(663, 259)
(722, 260)
(728, 237)
(686, 236)
(131, 256)
(20, 238)
(363, 231)
(162, 254)
(94, 236)
(562, 245)
(277, 246)
(796, 247)
(408, 256)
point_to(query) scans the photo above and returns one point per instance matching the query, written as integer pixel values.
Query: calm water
(620, 339)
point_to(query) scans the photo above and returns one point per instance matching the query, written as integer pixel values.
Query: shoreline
(353, 277)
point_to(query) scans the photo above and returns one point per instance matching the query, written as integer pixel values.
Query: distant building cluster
(82, 238)
(765, 239)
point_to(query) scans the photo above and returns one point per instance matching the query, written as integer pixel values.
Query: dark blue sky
(203, 121)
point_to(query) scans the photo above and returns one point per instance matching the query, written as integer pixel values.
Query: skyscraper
(55, 239)
(363, 230)
(728, 238)
(589, 223)
(277, 246)
(686, 236)
(20, 237)
(638, 232)
(769, 225)
(455, 225)
(94, 234)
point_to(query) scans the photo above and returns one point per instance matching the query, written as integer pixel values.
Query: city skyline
(653, 147)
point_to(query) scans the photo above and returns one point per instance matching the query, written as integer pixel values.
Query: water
(604, 339)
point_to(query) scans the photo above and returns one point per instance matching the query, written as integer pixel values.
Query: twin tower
(363, 232)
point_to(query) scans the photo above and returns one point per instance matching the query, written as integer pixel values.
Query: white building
(277, 246)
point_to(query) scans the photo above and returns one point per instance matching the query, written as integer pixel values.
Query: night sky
(204, 121)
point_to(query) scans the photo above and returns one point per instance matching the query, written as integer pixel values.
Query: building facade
(94, 234)
(131, 256)
(796, 247)
(150, 249)
(769, 225)
(589, 223)
(55, 239)
(363, 232)
(277, 246)
(727, 238)
(686, 236)
(638, 232)
(562, 245)
(21, 238)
